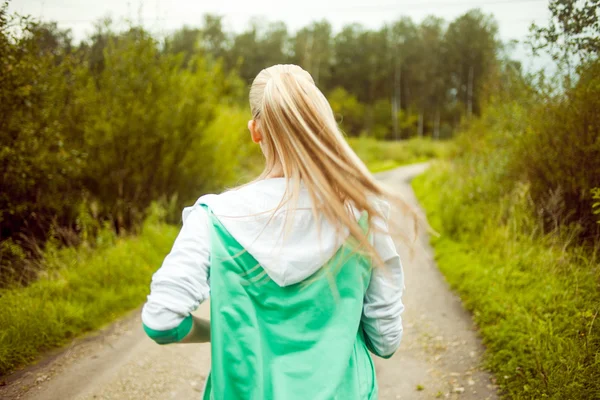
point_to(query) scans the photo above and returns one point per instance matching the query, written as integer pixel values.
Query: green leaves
(573, 30)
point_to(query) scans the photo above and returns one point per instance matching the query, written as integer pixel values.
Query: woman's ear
(254, 132)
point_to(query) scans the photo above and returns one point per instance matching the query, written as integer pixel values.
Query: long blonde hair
(300, 134)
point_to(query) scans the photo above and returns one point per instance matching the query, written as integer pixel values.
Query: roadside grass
(383, 155)
(83, 289)
(536, 302)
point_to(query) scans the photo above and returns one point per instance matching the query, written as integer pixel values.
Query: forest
(105, 140)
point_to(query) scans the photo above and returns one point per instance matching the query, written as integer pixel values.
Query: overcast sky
(163, 16)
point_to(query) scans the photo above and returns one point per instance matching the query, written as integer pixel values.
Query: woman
(304, 277)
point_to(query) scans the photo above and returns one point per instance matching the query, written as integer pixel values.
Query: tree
(574, 29)
(312, 49)
(348, 69)
(471, 45)
(262, 45)
(185, 41)
(404, 52)
(214, 40)
(430, 74)
(361, 65)
(40, 165)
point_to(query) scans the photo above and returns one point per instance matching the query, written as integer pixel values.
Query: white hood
(247, 213)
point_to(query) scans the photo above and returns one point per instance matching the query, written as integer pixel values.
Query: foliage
(231, 157)
(574, 29)
(349, 112)
(536, 304)
(471, 61)
(102, 130)
(39, 162)
(519, 238)
(559, 155)
(548, 142)
(142, 107)
(81, 290)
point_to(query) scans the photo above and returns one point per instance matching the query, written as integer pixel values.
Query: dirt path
(439, 357)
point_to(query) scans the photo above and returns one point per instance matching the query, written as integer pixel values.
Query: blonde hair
(300, 134)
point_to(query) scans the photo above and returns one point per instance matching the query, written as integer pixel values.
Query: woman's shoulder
(251, 198)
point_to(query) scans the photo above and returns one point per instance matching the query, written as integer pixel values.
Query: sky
(163, 16)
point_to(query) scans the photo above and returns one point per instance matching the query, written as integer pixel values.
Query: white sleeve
(382, 312)
(181, 284)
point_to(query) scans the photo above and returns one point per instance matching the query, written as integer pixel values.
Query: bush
(349, 112)
(231, 156)
(41, 165)
(559, 155)
(103, 130)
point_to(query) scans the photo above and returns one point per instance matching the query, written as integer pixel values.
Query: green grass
(383, 155)
(82, 290)
(536, 304)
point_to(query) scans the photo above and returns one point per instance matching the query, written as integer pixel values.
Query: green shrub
(349, 112)
(102, 131)
(145, 117)
(231, 156)
(41, 164)
(559, 155)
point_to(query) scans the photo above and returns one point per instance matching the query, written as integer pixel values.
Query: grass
(382, 155)
(536, 303)
(83, 290)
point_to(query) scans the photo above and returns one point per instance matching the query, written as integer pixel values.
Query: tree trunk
(395, 117)
(470, 93)
(308, 48)
(420, 124)
(436, 125)
(317, 70)
(397, 100)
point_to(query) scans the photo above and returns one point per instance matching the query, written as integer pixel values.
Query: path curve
(440, 355)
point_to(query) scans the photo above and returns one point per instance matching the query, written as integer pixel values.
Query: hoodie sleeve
(181, 283)
(382, 312)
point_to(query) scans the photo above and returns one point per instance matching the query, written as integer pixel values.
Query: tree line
(402, 80)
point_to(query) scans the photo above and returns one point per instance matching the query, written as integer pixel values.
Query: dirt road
(439, 358)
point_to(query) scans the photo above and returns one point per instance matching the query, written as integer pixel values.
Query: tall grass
(81, 290)
(535, 300)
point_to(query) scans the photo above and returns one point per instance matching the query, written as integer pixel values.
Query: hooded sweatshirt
(290, 245)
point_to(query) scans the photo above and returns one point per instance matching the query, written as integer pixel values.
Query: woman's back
(300, 341)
